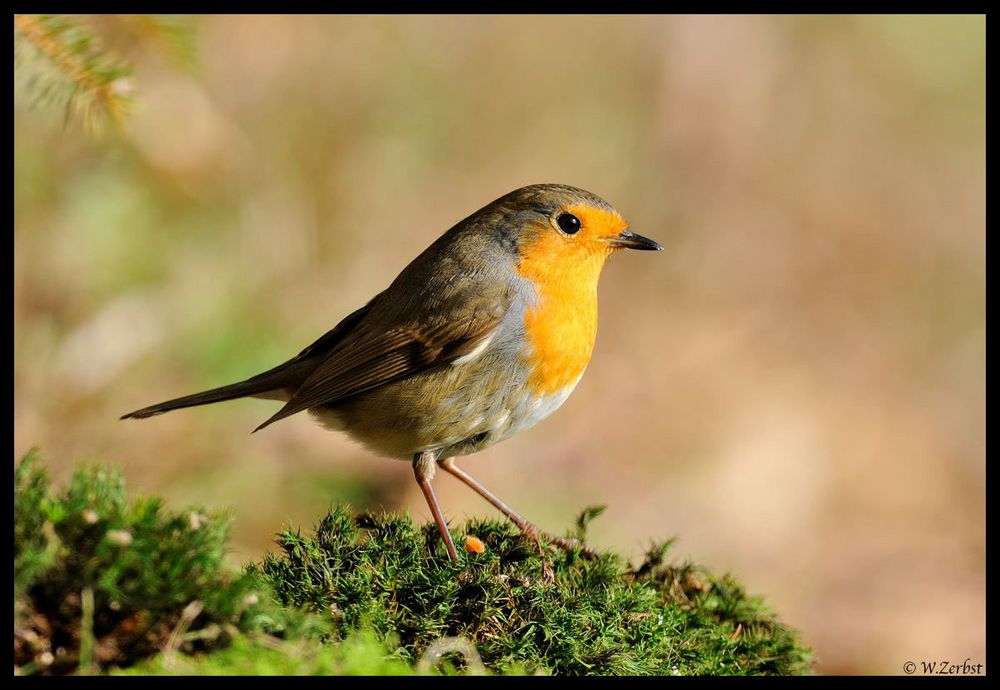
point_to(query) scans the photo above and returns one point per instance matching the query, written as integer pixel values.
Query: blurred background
(795, 387)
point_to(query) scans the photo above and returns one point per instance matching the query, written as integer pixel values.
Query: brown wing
(370, 357)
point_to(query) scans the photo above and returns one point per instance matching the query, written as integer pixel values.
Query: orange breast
(562, 325)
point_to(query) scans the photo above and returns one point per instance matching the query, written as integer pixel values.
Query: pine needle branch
(64, 64)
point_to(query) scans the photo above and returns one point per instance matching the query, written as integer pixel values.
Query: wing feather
(370, 357)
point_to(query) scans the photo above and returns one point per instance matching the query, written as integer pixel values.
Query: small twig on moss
(190, 612)
(86, 631)
(451, 645)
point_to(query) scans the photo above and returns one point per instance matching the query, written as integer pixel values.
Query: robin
(483, 335)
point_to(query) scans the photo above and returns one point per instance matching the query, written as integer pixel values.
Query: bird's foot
(530, 532)
(570, 545)
(533, 534)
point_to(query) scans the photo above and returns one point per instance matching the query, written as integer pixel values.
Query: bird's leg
(527, 528)
(423, 469)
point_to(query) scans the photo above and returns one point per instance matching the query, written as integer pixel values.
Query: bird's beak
(629, 240)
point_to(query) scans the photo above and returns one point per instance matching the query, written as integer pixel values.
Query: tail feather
(287, 375)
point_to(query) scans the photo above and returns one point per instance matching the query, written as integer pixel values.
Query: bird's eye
(568, 223)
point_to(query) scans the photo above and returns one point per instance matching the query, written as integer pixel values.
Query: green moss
(103, 582)
(564, 614)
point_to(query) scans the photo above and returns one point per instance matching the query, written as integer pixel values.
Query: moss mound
(103, 584)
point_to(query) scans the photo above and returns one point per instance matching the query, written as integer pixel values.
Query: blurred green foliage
(361, 654)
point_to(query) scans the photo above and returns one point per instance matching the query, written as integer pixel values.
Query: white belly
(463, 414)
(531, 412)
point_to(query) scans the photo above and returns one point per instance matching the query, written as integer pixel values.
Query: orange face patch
(597, 223)
(562, 325)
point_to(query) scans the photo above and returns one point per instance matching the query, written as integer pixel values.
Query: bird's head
(563, 235)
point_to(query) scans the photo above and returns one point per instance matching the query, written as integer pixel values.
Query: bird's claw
(532, 533)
